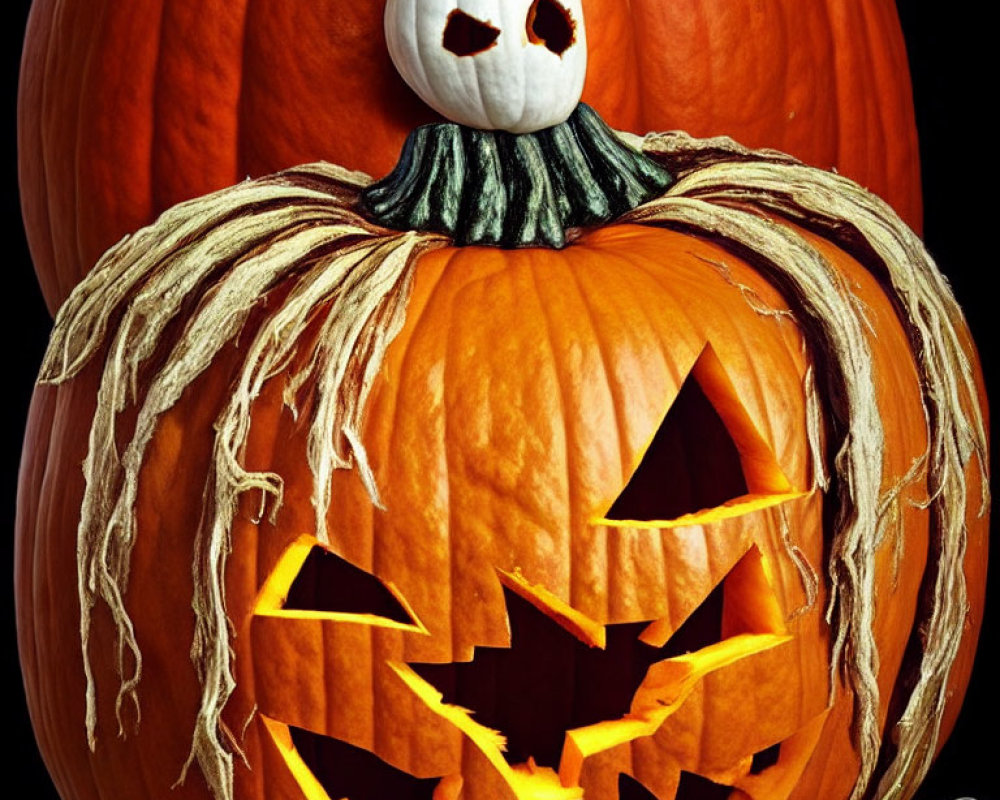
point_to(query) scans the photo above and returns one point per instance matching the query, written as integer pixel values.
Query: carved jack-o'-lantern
(649, 509)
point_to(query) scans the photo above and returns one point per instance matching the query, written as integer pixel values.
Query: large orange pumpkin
(599, 521)
(128, 108)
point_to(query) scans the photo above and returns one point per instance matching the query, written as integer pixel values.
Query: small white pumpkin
(512, 65)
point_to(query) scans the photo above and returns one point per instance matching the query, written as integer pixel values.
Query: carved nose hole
(464, 35)
(550, 24)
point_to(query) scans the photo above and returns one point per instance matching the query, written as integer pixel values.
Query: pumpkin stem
(514, 190)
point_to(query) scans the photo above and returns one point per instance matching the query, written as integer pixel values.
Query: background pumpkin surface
(940, 48)
(127, 109)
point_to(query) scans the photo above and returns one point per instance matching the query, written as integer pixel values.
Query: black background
(943, 46)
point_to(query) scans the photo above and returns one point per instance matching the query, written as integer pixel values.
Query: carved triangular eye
(464, 35)
(706, 454)
(328, 583)
(311, 582)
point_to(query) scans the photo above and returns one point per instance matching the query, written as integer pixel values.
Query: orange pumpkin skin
(511, 408)
(127, 109)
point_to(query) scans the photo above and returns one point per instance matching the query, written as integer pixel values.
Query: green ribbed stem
(513, 190)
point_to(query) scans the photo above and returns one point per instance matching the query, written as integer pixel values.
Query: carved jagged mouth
(345, 771)
(581, 687)
(560, 681)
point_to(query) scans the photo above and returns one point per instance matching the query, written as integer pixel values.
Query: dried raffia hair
(205, 266)
(222, 254)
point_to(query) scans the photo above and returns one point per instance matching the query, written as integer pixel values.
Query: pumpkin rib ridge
(614, 538)
(156, 103)
(26, 556)
(626, 457)
(66, 766)
(240, 115)
(874, 62)
(40, 566)
(636, 51)
(47, 157)
(446, 418)
(616, 405)
(421, 329)
(837, 129)
(567, 436)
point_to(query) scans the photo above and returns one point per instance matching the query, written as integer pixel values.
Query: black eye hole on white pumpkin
(310, 581)
(464, 35)
(550, 24)
(705, 462)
